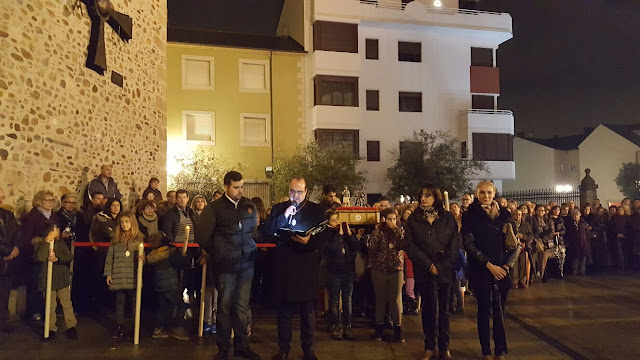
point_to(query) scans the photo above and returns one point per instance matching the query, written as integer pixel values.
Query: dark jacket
(296, 266)
(484, 242)
(425, 241)
(96, 185)
(578, 240)
(8, 237)
(170, 222)
(542, 230)
(230, 246)
(75, 222)
(166, 262)
(157, 195)
(558, 226)
(103, 227)
(61, 275)
(527, 233)
(617, 225)
(339, 262)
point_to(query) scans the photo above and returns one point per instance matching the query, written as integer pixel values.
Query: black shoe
(281, 356)
(348, 332)
(399, 337)
(377, 335)
(222, 355)
(72, 333)
(246, 353)
(52, 336)
(309, 355)
(336, 333)
(118, 332)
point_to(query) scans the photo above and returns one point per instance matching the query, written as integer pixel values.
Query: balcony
(393, 13)
(336, 117)
(335, 63)
(489, 121)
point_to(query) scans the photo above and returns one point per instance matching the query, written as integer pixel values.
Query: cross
(102, 11)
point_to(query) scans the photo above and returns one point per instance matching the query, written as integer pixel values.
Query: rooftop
(572, 142)
(235, 40)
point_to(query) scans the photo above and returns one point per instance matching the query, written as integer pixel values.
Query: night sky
(571, 64)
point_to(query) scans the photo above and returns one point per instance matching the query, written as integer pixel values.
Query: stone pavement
(580, 318)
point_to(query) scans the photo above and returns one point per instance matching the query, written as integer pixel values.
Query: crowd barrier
(136, 337)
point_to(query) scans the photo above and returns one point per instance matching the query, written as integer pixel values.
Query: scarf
(429, 211)
(70, 219)
(46, 213)
(151, 224)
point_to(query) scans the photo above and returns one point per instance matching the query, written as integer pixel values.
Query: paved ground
(580, 318)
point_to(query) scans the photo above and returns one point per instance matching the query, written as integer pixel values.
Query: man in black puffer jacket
(225, 232)
(8, 251)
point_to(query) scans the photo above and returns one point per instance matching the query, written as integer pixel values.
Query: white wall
(604, 152)
(535, 166)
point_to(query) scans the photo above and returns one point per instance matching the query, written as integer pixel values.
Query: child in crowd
(166, 260)
(340, 253)
(120, 266)
(60, 278)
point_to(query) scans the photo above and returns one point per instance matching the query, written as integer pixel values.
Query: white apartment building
(377, 71)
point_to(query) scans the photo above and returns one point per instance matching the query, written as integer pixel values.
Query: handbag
(511, 241)
(539, 245)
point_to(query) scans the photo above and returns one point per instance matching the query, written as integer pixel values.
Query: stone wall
(59, 120)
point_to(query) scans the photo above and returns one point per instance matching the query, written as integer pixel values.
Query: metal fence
(543, 196)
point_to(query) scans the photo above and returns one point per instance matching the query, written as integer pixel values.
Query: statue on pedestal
(346, 197)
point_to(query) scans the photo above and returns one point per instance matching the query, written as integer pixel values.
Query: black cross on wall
(101, 11)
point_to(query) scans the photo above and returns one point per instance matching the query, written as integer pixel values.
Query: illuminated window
(199, 126)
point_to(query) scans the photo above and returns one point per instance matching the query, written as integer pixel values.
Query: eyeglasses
(49, 200)
(296, 192)
(70, 202)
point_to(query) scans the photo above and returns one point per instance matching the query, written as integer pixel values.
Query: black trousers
(5, 291)
(491, 297)
(307, 324)
(435, 314)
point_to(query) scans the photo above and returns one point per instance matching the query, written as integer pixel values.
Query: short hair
(153, 179)
(328, 189)
(144, 203)
(46, 227)
(386, 212)
(613, 207)
(231, 176)
(554, 207)
(106, 165)
(217, 192)
(68, 195)
(170, 191)
(330, 213)
(95, 193)
(299, 178)
(575, 212)
(435, 191)
(384, 198)
(182, 191)
(38, 197)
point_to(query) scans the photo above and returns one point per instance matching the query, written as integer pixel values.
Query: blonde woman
(119, 267)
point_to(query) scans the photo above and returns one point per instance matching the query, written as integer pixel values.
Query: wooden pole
(136, 331)
(446, 201)
(47, 301)
(186, 239)
(203, 288)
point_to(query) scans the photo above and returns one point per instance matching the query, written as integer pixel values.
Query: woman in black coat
(489, 264)
(431, 236)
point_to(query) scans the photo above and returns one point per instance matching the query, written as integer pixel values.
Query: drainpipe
(271, 191)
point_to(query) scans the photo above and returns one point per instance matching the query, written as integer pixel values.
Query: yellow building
(241, 94)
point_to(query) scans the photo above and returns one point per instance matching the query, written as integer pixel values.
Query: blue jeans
(338, 284)
(234, 291)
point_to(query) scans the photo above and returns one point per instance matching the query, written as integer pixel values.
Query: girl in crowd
(489, 264)
(386, 260)
(432, 243)
(119, 267)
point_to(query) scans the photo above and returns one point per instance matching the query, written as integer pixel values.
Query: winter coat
(226, 233)
(8, 236)
(102, 228)
(30, 226)
(484, 242)
(79, 231)
(424, 241)
(166, 262)
(61, 274)
(157, 195)
(525, 229)
(170, 223)
(148, 227)
(296, 266)
(634, 232)
(577, 239)
(121, 268)
(385, 249)
(558, 226)
(340, 252)
(617, 225)
(96, 185)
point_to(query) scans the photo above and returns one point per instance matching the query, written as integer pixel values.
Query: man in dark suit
(296, 266)
(225, 231)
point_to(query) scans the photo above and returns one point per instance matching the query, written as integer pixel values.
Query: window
(464, 153)
(371, 49)
(199, 126)
(492, 147)
(411, 148)
(254, 75)
(334, 36)
(373, 150)
(197, 72)
(255, 130)
(481, 57)
(327, 137)
(482, 102)
(409, 51)
(410, 101)
(373, 100)
(336, 90)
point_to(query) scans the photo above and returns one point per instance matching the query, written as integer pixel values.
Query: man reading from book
(296, 265)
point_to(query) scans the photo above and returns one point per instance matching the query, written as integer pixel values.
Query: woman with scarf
(431, 237)
(490, 261)
(148, 219)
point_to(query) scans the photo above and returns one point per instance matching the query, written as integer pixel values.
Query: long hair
(433, 190)
(195, 199)
(260, 207)
(120, 236)
(107, 207)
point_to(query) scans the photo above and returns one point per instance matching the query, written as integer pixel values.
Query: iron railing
(429, 9)
(542, 196)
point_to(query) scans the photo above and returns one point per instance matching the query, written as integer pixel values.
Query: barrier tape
(179, 245)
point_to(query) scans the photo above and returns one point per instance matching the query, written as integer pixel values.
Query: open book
(284, 231)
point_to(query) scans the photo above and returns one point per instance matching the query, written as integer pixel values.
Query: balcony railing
(490, 112)
(429, 9)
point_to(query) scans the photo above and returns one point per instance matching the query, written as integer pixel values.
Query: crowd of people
(427, 252)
